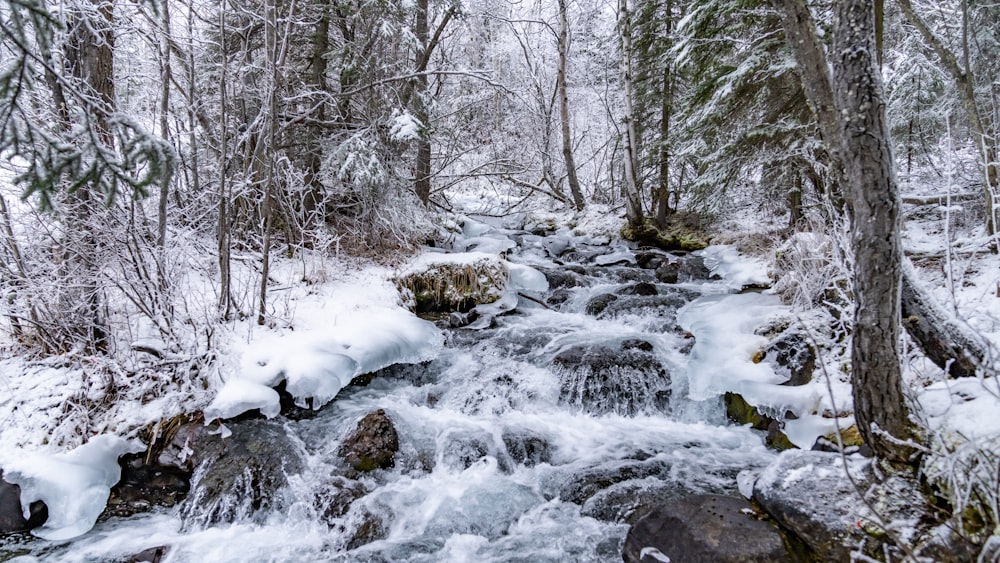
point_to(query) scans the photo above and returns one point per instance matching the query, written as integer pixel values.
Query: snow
(74, 485)
(317, 364)
(404, 128)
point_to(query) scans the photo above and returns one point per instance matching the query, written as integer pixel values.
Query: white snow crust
(316, 365)
(74, 485)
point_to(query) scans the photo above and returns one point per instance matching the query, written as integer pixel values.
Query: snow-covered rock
(316, 365)
(74, 485)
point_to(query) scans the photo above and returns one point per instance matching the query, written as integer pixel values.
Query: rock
(740, 411)
(151, 555)
(11, 513)
(558, 297)
(563, 278)
(237, 477)
(145, 485)
(776, 438)
(462, 449)
(668, 272)
(336, 497)
(599, 303)
(373, 444)
(644, 289)
(662, 305)
(699, 528)
(693, 268)
(628, 501)
(582, 486)
(612, 379)
(792, 355)
(527, 448)
(809, 494)
(651, 259)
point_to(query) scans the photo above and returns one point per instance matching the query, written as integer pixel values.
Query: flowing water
(534, 440)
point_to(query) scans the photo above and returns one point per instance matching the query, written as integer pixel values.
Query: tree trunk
(567, 138)
(90, 56)
(852, 121)
(422, 177)
(876, 366)
(666, 110)
(223, 227)
(633, 198)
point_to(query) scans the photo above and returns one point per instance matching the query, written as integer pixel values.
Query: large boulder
(12, 514)
(698, 528)
(239, 470)
(373, 443)
(808, 493)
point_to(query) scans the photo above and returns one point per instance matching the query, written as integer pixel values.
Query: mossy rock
(740, 411)
(851, 436)
(448, 287)
(673, 237)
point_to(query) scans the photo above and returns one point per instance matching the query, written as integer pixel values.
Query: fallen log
(943, 338)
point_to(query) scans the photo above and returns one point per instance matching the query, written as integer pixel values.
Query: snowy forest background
(163, 159)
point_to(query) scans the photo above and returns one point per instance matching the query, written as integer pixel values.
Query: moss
(851, 436)
(675, 236)
(740, 411)
(454, 287)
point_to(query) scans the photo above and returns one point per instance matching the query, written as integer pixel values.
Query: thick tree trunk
(567, 138)
(879, 405)
(852, 122)
(666, 111)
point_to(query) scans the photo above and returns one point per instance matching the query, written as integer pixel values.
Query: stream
(540, 438)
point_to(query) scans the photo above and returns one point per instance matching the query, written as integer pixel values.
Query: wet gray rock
(151, 555)
(628, 501)
(643, 289)
(527, 448)
(585, 484)
(462, 449)
(792, 354)
(237, 477)
(668, 272)
(597, 304)
(612, 379)
(11, 513)
(651, 259)
(145, 485)
(563, 278)
(335, 498)
(712, 528)
(373, 443)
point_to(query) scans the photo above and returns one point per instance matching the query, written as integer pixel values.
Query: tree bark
(567, 138)
(666, 111)
(876, 364)
(852, 121)
(633, 198)
(422, 181)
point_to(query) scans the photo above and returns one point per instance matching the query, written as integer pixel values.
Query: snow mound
(74, 485)
(316, 365)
